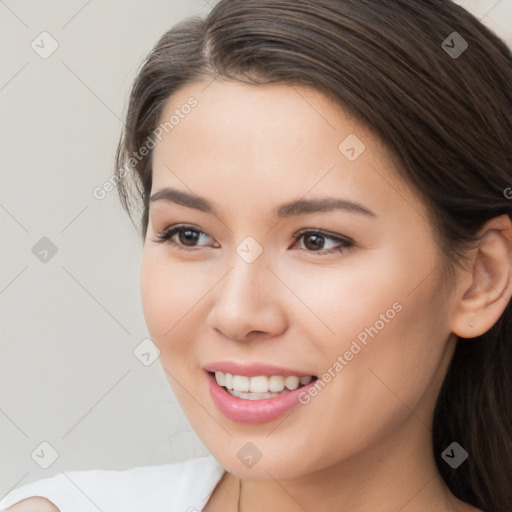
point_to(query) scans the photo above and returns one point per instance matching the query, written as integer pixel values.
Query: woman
(326, 218)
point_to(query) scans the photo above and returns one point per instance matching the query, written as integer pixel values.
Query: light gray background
(69, 326)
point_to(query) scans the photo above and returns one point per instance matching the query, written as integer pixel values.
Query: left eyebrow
(297, 207)
(324, 204)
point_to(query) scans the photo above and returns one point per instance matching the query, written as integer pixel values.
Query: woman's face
(359, 307)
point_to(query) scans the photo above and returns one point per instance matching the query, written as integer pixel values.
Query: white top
(179, 487)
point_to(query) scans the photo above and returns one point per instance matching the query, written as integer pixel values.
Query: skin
(365, 440)
(35, 504)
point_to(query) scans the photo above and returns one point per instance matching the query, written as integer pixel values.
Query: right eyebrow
(172, 195)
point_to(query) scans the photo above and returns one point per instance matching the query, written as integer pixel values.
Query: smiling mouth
(259, 387)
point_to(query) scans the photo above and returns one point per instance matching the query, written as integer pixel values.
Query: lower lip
(253, 411)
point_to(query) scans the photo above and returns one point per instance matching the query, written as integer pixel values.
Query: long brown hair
(444, 109)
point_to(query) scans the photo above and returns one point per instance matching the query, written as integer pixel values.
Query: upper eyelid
(322, 232)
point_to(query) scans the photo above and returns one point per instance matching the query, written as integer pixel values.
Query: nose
(248, 300)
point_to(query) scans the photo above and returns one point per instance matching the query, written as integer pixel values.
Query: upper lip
(253, 369)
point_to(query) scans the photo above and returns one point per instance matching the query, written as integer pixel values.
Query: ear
(486, 285)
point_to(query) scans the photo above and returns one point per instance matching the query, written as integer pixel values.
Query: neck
(398, 473)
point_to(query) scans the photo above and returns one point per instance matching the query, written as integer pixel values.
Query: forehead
(241, 116)
(277, 139)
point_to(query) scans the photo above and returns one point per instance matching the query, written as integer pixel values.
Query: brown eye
(314, 241)
(187, 237)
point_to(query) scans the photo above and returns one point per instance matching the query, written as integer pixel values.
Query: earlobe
(482, 302)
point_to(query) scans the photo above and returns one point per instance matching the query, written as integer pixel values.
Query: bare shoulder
(34, 504)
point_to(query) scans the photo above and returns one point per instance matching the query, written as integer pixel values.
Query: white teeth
(220, 377)
(260, 384)
(241, 383)
(252, 396)
(276, 383)
(291, 382)
(257, 384)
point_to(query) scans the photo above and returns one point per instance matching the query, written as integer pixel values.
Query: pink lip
(253, 370)
(253, 411)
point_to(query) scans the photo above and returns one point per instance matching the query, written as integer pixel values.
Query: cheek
(382, 343)
(344, 301)
(152, 297)
(167, 294)
(398, 366)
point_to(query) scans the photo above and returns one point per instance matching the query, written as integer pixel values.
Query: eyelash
(167, 234)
